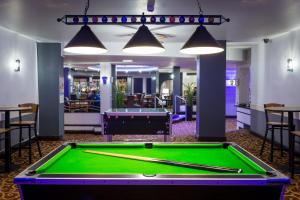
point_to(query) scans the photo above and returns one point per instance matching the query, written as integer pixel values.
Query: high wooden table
(290, 110)
(8, 165)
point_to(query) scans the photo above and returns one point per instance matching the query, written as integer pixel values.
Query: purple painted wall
(230, 93)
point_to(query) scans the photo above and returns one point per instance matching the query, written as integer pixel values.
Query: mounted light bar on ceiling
(144, 42)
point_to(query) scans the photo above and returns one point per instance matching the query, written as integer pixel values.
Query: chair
(273, 125)
(20, 124)
(293, 135)
(131, 102)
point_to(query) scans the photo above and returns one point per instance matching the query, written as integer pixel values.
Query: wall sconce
(104, 80)
(290, 67)
(18, 66)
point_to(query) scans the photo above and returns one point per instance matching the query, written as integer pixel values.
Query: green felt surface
(76, 161)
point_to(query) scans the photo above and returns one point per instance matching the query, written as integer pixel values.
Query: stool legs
(29, 144)
(272, 145)
(264, 141)
(37, 142)
(292, 154)
(281, 141)
(20, 141)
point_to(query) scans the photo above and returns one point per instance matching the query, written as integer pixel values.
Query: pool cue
(168, 162)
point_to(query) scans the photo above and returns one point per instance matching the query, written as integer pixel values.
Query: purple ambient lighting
(191, 19)
(133, 19)
(75, 19)
(95, 19)
(153, 19)
(114, 19)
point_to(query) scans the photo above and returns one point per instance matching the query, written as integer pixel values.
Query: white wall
(17, 87)
(270, 80)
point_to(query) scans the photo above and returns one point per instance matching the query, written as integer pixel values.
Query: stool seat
(22, 123)
(278, 124)
(3, 130)
(296, 133)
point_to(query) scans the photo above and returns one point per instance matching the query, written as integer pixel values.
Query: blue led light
(153, 19)
(162, 19)
(75, 19)
(85, 19)
(181, 19)
(104, 19)
(201, 19)
(143, 19)
(124, 19)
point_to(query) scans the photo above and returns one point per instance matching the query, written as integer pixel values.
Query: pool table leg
(167, 138)
(108, 138)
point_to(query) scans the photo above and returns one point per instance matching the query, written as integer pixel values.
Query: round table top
(285, 109)
(12, 108)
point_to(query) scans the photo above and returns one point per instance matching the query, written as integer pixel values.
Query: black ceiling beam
(143, 19)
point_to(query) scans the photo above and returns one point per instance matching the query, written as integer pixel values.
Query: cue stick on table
(168, 162)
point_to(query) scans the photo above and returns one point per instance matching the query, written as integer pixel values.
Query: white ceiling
(250, 19)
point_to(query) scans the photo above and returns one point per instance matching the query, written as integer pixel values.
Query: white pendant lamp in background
(143, 42)
(201, 43)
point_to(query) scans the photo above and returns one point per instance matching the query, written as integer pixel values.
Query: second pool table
(69, 172)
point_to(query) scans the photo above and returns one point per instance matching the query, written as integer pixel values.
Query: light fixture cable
(199, 7)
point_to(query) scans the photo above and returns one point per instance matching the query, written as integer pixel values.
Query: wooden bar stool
(30, 124)
(273, 125)
(294, 134)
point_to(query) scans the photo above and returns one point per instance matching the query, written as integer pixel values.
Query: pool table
(137, 121)
(71, 173)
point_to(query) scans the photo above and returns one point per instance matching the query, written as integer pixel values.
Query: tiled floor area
(182, 132)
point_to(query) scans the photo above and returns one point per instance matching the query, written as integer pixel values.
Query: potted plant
(189, 95)
(120, 96)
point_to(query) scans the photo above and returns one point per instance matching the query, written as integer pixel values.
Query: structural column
(176, 87)
(51, 90)
(211, 76)
(105, 87)
(114, 84)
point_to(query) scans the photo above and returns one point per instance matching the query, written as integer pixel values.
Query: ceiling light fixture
(201, 42)
(85, 41)
(143, 42)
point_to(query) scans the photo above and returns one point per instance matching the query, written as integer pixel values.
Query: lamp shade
(143, 42)
(201, 42)
(85, 42)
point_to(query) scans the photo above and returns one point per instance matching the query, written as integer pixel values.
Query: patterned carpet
(182, 132)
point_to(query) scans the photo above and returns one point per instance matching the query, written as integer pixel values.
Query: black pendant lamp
(85, 42)
(201, 42)
(143, 42)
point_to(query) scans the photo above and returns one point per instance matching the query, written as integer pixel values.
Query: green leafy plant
(120, 96)
(189, 93)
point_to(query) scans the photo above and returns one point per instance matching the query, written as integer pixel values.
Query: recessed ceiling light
(127, 61)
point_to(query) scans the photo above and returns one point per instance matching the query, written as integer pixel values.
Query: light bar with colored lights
(143, 19)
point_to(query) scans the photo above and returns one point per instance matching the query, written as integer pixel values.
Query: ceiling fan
(160, 36)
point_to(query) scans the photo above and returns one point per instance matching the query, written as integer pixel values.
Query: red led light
(172, 19)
